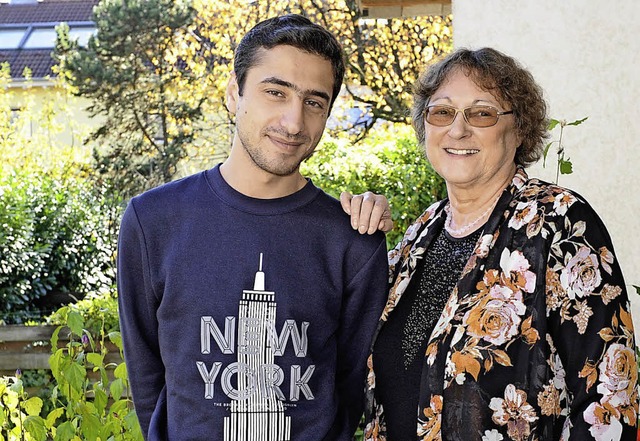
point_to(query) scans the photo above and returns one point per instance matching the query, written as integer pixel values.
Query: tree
(384, 57)
(145, 81)
(156, 73)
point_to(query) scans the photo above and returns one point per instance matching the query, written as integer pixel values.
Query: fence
(25, 347)
(29, 347)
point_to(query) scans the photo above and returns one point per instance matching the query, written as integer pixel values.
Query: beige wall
(69, 126)
(585, 54)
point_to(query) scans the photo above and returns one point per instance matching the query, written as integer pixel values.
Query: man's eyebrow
(296, 89)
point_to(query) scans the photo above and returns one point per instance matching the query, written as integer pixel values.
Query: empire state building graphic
(257, 413)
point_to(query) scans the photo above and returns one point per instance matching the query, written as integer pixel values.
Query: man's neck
(259, 184)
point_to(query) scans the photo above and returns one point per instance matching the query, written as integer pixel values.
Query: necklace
(460, 231)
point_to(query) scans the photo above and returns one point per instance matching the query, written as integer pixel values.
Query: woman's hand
(369, 211)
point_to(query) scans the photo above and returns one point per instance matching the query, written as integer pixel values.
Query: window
(41, 38)
(81, 34)
(11, 38)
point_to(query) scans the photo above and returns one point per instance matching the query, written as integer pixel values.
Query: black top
(398, 353)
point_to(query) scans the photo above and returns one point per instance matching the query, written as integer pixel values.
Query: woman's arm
(369, 212)
(591, 329)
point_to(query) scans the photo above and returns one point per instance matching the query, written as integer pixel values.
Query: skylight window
(82, 34)
(11, 38)
(41, 38)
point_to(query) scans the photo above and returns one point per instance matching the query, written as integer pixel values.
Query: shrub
(99, 312)
(389, 163)
(54, 238)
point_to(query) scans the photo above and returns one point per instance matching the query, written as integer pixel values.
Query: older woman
(507, 317)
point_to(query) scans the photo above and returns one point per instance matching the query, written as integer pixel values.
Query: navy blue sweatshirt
(243, 318)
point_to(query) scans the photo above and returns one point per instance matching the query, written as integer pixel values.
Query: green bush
(389, 163)
(54, 238)
(99, 312)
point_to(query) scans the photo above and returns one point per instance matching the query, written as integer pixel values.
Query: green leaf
(116, 388)
(116, 339)
(95, 359)
(56, 363)
(53, 416)
(133, 425)
(104, 377)
(75, 375)
(34, 425)
(32, 406)
(637, 288)
(90, 427)
(65, 432)
(578, 121)
(544, 154)
(121, 371)
(86, 408)
(75, 322)
(100, 399)
(17, 387)
(566, 167)
(10, 400)
(113, 427)
(553, 123)
(119, 407)
(54, 339)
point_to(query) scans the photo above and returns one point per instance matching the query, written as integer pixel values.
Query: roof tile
(38, 60)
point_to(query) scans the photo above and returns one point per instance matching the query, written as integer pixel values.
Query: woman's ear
(231, 94)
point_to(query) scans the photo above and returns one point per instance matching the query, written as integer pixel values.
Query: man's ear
(231, 94)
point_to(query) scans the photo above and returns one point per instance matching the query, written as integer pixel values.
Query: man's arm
(363, 302)
(137, 310)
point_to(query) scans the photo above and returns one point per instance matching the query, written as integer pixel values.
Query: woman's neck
(470, 208)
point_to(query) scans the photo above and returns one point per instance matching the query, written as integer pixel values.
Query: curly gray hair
(500, 75)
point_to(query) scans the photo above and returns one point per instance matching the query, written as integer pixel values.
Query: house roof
(28, 29)
(46, 11)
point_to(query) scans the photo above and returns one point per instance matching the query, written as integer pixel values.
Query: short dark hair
(500, 75)
(290, 30)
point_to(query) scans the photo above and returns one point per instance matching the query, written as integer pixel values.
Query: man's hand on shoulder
(369, 211)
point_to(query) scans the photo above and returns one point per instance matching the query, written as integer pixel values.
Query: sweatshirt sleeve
(592, 329)
(362, 306)
(138, 322)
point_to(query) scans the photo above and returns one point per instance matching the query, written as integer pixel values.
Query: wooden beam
(26, 333)
(402, 3)
(375, 9)
(11, 362)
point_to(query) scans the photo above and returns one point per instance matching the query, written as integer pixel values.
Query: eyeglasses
(477, 116)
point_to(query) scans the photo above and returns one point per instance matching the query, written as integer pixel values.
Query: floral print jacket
(536, 341)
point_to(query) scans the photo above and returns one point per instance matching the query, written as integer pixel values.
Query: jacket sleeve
(361, 309)
(591, 329)
(138, 323)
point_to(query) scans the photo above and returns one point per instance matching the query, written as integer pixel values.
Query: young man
(247, 300)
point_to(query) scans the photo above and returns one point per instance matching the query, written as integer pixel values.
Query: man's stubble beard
(277, 168)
